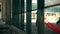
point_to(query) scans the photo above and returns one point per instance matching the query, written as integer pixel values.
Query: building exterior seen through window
(52, 12)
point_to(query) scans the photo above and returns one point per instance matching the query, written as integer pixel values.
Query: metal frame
(15, 11)
(28, 16)
(40, 16)
(21, 16)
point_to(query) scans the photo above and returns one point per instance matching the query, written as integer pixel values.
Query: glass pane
(53, 9)
(34, 16)
(34, 4)
(51, 2)
(52, 16)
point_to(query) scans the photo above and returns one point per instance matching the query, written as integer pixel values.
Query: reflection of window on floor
(34, 16)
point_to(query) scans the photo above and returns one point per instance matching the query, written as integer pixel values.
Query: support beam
(40, 16)
(8, 12)
(21, 15)
(15, 11)
(28, 16)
